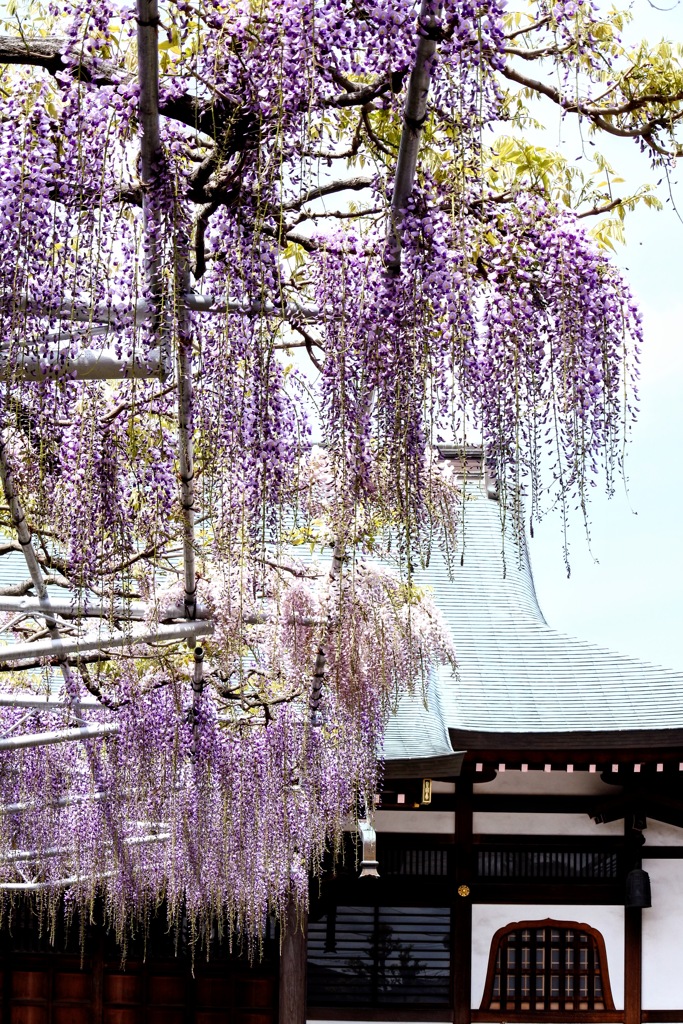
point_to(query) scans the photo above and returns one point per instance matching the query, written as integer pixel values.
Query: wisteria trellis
(161, 278)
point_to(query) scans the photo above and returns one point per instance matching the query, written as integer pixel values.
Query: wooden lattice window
(545, 966)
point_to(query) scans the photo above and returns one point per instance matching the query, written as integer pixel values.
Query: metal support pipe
(43, 739)
(38, 702)
(89, 364)
(414, 116)
(118, 315)
(12, 856)
(23, 806)
(59, 883)
(197, 690)
(186, 461)
(150, 157)
(316, 694)
(30, 557)
(101, 642)
(23, 532)
(98, 609)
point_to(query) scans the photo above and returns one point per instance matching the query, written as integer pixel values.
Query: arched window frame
(548, 923)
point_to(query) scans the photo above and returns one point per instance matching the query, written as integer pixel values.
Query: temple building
(524, 861)
(526, 816)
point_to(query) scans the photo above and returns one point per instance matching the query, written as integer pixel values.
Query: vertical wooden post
(462, 908)
(633, 929)
(292, 1000)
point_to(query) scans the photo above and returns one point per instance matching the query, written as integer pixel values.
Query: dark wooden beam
(540, 892)
(633, 930)
(632, 965)
(292, 1001)
(462, 906)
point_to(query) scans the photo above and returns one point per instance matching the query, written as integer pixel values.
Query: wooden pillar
(462, 906)
(633, 929)
(292, 1000)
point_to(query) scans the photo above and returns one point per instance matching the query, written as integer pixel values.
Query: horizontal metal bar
(40, 702)
(119, 315)
(60, 883)
(101, 642)
(89, 364)
(22, 806)
(97, 609)
(43, 739)
(57, 851)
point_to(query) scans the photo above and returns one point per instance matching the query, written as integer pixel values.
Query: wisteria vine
(322, 381)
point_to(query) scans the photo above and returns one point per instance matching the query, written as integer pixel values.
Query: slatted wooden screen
(380, 956)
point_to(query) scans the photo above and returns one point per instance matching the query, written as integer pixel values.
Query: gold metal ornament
(463, 890)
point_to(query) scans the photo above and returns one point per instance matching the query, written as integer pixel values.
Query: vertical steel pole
(150, 152)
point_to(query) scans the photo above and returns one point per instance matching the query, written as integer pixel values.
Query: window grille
(414, 861)
(380, 956)
(534, 863)
(546, 966)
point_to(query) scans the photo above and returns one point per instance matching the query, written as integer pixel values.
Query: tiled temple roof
(521, 684)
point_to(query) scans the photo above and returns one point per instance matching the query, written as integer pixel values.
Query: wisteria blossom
(306, 343)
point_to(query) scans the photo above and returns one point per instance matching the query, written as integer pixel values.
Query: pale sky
(631, 598)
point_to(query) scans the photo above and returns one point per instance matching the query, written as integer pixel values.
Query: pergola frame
(190, 620)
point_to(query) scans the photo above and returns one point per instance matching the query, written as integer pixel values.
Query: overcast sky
(630, 598)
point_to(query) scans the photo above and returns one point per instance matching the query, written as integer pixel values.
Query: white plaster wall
(487, 918)
(663, 936)
(508, 823)
(658, 833)
(538, 783)
(415, 821)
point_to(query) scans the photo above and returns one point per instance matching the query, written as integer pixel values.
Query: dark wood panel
(662, 1016)
(254, 993)
(51, 988)
(72, 1014)
(123, 1015)
(71, 986)
(123, 989)
(28, 1014)
(166, 989)
(213, 993)
(30, 985)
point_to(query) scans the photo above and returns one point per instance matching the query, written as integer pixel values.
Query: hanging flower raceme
(208, 298)
(220, 800)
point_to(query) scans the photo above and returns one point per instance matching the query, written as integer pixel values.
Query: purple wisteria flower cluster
(255, 255)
